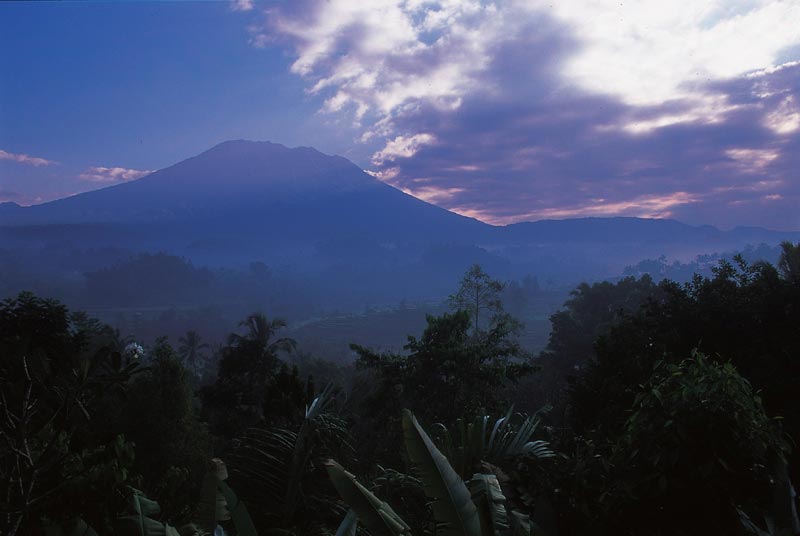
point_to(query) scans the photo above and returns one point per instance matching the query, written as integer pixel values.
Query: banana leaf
(521, 524)
(349, 524)
(78, 527)
(212, 506)
(138, 522)
(451, 502)
(490, 502)
(241, 517)
(376, 515)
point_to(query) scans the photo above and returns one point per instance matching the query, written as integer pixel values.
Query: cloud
(517, 110)
(644, 206)
(26, 159)
(242, 5)
(9, 195)
(112, 174)
(402, 147)
(385, 56)
(752, 160)
(19, 198)
(650, 51)
(518, 159)
(382, 58)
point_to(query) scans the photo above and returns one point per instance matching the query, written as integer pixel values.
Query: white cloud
(651, 51)
(785, 118)
(401, 147)
(433, 194)
(697, 110)
(384, 175)
(383, 59)
(112, 174)
(521, 94)
(26, 159)
(752, 160)
(242, 5)
(644, 206)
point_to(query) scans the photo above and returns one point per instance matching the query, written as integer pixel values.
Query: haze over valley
(247, 225)
(400, 268)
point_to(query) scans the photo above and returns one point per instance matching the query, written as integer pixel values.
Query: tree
(747, 313)
(590, 312)
(697, 449)
(789, 262)
(278, 472)
(447, 373)
(190, 349)
(479, 295)
(57, 459)
(172, 446)
(251, 375)
(260, 333)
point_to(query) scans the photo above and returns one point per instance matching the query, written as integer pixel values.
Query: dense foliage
(674, 411)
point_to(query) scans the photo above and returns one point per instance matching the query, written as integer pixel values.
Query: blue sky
(502, 110)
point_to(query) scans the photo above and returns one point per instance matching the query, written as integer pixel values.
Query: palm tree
(190, 349)
(260, 332)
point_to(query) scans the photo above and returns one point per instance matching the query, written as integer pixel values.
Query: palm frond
(469, 443)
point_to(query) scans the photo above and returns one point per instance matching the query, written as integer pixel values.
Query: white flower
(133, 350)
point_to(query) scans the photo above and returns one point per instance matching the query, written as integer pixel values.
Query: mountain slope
(244, 200)
(242, 181)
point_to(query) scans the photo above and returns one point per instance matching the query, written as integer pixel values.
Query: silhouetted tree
(190, 349)
(57, 459)
(789, 262)
(172, 446)
(447, 373)
(250, 374)
(697, 450)
(479, 295)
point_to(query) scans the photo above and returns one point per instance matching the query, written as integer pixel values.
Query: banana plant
(468, 443)
(451, 501)
(276, 468)
(473, 508)
(375, 514)
(217, 503)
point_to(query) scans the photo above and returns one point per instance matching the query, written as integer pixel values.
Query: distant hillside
(243, 201)
(256, 188)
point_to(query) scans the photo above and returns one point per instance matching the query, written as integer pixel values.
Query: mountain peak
(243, 146)
(264, 149)
(267, 166)
(231, 176)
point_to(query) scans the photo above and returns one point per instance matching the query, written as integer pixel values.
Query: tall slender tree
(191, 350)
(479, 295)
(789, 262)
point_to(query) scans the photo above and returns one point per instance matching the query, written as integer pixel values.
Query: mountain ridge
(248, 199)
(247, 148)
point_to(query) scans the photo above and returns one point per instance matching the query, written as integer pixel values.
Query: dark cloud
(532, 151)
(509, 133)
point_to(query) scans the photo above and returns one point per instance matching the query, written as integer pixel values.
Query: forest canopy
(657, 408)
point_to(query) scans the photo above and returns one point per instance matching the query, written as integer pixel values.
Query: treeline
(682, 272)
(656, 409)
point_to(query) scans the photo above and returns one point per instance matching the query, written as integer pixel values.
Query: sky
(501, 110)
